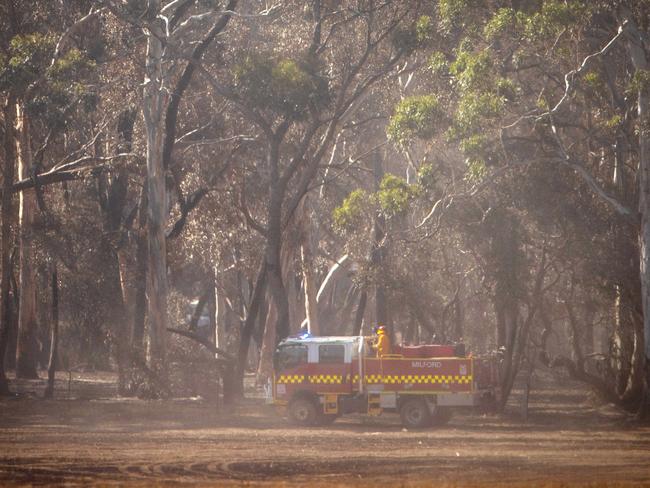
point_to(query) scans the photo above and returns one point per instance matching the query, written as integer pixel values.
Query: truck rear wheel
(302, 411)
(415, 413)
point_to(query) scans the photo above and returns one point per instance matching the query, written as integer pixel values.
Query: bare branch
(204, 342)
(71, 30)
(588, 178)
(571, 76)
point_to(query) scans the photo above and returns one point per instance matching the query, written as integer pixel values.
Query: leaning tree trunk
(257, 298)
(6, 239)
(308, 274)
(359, 313)
(27, 348)
(154, 98)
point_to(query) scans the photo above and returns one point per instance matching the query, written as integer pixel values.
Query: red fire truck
(317, 379)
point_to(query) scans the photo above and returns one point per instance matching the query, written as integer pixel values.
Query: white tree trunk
(154, 103)
(26, 352)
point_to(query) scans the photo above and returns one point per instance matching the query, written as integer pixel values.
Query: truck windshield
(290, 356)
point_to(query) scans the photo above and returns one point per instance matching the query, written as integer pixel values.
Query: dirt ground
(86, 437)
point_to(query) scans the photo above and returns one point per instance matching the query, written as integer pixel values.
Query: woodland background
(191, 177)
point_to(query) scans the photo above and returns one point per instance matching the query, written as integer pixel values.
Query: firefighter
(382, 343)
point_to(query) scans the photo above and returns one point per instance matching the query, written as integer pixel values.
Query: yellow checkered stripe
(332, 379)
(291, 378)
(413, 379)
(326, 378)
(417, 379)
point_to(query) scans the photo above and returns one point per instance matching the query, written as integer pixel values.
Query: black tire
(302, 411)
(441, 416)
(414, 413)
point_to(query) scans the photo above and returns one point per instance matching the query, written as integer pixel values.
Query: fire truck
(318, 379)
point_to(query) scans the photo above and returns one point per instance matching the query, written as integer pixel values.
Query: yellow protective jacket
(382, 345)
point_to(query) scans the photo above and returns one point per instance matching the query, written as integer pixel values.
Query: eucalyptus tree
(297, 95)
(37, 66)
(177, 35)
(507, 92)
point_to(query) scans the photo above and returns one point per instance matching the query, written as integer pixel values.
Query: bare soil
(87, 436)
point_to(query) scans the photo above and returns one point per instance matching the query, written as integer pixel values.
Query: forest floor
(87, 436)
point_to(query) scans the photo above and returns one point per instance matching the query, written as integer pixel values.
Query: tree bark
(361, 310)
(377, 257)
(270, 336)
(265, 366)
(6, 239)
(274, 244)
(309, 277)
(247, 330)
(622, 346)
(27, 348)
(639, 58)
(155, 95)
(54, 338)
(644, 233)
(140, 306)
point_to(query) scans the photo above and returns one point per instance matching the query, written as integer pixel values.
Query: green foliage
(553, 17)
(351, 211)
(437, 64)
(53, 86)
(392, 199)
(415, 36)
(506, 88)
(475, 109)
(613, 122)
(427, 177)
(474, 145)
(72, 65)
(417, 116)
(279, 85)
(453, 12)
(424, 29)
(592, 79)
(27, 61)
(640, 81)
(472, 70)
(503, 19)
(476, 170)
(395, 195)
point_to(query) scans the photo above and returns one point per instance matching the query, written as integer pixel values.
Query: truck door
(290, 370)
(332, 372)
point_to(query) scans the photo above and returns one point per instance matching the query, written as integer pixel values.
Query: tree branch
(227, 358)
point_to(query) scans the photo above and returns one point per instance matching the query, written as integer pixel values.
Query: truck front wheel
(302, 411)
(415, 413)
